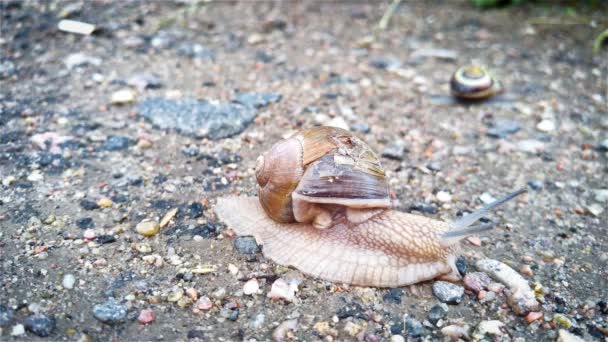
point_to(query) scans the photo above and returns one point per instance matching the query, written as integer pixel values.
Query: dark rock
(477, 281)
(135, 180)
(234, 315)
(502, 128)
(205, 119)
(159, 179)
(385, 62)
(246, 245)
(354, 310)
(117, 143)
(6, 316)
(393, 296)
(434, 166)
(195, 210)
(396, 327)
(110, 312)
(88, 205)
(106, 238)
(257, 100)
(461, 265)
(447, 292)
(535, 184)
(603, 305)
(603, 146)
(190, 151)
(209, 230)
(263, 56)
(437, 312)
(196, 335)
(413, 327)
(85, 222)
(423, 208)
(40, 324)
(394, 151)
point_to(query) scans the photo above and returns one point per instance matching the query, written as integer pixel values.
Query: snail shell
(313, 175)
(474, 83)
(327, 178)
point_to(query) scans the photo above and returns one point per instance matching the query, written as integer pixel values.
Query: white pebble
(68, 281)
(546, 126)
(123, 96)
(74, 26)
(282, 290)
(443, 196)
(18, 330)
(251, 287)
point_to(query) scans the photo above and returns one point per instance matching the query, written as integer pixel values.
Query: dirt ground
(70, 200)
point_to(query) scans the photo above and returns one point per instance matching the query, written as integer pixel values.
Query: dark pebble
(461, 265)
(263, 56)
(159, 179)
(246, 245)
(595, 331)
(135, 180)
(88, 205)
(437, 312)
(195, 210)
(424, 208)
(117, 143)
(447, 292)
(502, 128)
(603, 305)
(354, 310)
(110, 312)
(106, 238)
(6, 316)
(196, 335)
(434, 167)
(209, 230)
(413, 327)
(190, 151)
(535, 184)
(234, 315)
(384, 62)
(603, 146)
(396, 327)
(85, 222)
(393, 296)
(394, 151)
(40, 324)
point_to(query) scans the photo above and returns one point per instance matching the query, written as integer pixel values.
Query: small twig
(386, 18)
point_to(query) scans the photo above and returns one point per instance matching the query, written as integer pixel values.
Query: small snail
(324, 208)
(474, 83)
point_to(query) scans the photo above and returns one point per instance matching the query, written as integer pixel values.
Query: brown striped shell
(474, 83)
(319, 174)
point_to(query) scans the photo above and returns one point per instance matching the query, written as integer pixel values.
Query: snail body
(324, 208)
(474, 83)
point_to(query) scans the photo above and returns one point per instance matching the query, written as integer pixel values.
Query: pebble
(105, 202)
(566, 336)
(595, 209)
(18, 330)
(192, 293)
(502, 128)
(562, 320)
(204, 119)
(204, 303)
(80, 59)
(493, 328)
(526, 270)
(143, 81)
(258, 321)
(6, 316)
(476, 281)
(397, 338)
(282, 290)
(413, 327)
(146, 316)
(251, 287)
(147, 228)
(168, 217)
(423, 208)
(339, 122)
(352, 329)
(117, 143)
(280, 332)
(40, 324)
(535, 184)
(385, 62)
(462, 265)
(323, 328)
(530, 146)
(123, 96)
(447, 292)
(175, 296)
(394, 151)
(437, 312)
(486, 198)
(246, 245)
(393, 296)
(68, 281)
(546, 126)
(600, 195)
(533, 316)
(603, 146)
(110, 312)
(88, 205)
(74, 26)
(443, 196)
(456, 332)
(106, 238)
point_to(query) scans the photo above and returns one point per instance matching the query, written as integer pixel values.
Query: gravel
(40, 324)
(110, 312)
(246, 245)
(448, 293)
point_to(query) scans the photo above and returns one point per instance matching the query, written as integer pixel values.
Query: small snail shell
(474, 83)
(334, 181)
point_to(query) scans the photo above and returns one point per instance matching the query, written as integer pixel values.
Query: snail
(324, 208)
(474, 83)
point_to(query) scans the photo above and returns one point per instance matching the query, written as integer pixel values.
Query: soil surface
(84, 171)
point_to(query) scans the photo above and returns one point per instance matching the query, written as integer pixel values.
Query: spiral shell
(474, 83)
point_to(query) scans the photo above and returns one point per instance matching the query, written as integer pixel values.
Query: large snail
(474, 83)
(324, 208)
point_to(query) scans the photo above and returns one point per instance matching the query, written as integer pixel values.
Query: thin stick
(386, 18)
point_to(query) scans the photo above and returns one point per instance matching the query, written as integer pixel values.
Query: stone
(246, 245)
(486, 198)
(533, 316)
(257, 322)
(546, 126)
(147, 228)
(447, 292)
(105, 202)
(204, 304)
(600, 195)
(145, 80)
(122, 96)
(88, 205)
(530, 146)
(18, 330)
(603, 146)
(397, 338)
(385, 62)
(6, 316)
(595, 209)
(40, 324)
(74, 26)
(110, 312)
(535, 184)
(437, 312)
(205, 119)
(85, 223)
(562, 320)
(443, 196)
(566, 336)
(413, 327)
(280, 332)
(251, 287)
(476, 281)
(282, 290)
(494, 328)
(523, 302)
(393, 296)
(352, 329)
(117, 143)
(502, 128)
(462, 265)
(146, 316)
(68, 281)
(456, 332)
(394, 151)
